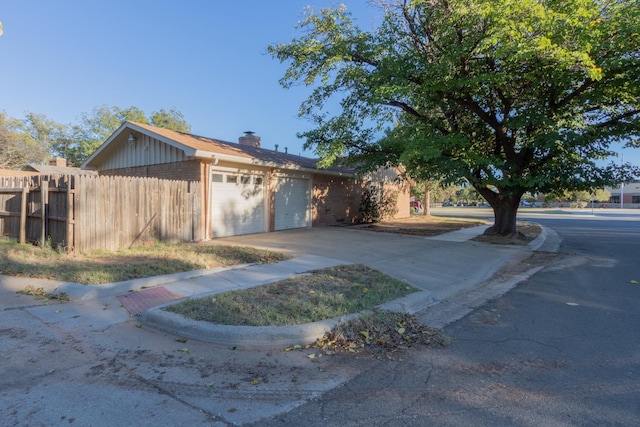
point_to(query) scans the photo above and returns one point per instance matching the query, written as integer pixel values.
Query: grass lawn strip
(319, 295)
(99, 267)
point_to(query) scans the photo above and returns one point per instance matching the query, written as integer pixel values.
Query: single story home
(246, 188)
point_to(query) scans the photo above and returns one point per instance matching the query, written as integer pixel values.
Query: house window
(635, 199)
(614, 199)
(257, 180)
(244, 179)
(217, 177)
(232, 179)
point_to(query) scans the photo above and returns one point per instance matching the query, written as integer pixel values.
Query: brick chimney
(250, 139)
(58, 161)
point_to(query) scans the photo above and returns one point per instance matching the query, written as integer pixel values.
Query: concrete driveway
(442, 264)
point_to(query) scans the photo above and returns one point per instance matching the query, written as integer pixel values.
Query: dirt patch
(526, 232)
(423, 225)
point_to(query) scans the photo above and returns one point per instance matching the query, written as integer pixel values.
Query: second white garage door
(292, 203)
(237, 204)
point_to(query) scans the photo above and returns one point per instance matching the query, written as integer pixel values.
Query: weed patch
(41, 295)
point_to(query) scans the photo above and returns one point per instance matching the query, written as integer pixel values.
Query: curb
(244, 336)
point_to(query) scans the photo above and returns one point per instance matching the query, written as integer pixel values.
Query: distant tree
(57, 138)
(17, 147)
(97, 126)
(172, 119)
(511, 96)
(601, 195)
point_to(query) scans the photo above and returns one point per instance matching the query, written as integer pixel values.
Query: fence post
(44, 200)
(70, 244)
(23, 216)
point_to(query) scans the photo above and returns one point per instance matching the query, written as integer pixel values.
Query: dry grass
(105, 267)
(319, 295)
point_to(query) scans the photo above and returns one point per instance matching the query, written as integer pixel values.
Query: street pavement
(91, 362)
(559, 349)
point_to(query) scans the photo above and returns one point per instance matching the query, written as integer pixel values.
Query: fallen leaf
(572, 304)
(255, 382)
(634, 282)
(58, 311)
(311, 356)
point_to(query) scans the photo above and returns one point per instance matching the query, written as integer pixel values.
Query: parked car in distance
(416, 207)
(447, 204)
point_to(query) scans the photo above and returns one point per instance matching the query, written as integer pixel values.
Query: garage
(292, 203)
(237, 204)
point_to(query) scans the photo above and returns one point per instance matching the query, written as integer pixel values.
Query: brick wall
(185, 171)
(404, 199)
(336, 200)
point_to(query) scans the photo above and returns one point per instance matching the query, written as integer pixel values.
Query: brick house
(247, 188)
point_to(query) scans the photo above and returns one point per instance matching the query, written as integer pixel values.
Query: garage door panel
(292, 203)
(237, 207)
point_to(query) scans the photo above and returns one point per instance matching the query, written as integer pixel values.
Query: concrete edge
(242, 336)
(547, 241)
(82, 292)
(411, 303)
(461, 304)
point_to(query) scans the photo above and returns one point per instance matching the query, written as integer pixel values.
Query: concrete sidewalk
(440, 266)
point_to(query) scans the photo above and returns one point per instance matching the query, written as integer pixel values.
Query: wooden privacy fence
(84, 212)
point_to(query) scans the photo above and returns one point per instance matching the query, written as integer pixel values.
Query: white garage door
(237, 204)
(292, 203)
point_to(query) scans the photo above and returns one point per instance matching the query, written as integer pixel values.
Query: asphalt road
(561, 348)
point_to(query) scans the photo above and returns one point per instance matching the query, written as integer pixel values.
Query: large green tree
(511, 96)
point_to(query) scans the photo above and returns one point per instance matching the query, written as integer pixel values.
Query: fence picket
(86, 212)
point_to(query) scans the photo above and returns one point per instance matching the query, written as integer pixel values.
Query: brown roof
(57, 170)
(246, 151)
(10, 172)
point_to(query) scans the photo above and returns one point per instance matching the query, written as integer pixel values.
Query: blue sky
(206, 58)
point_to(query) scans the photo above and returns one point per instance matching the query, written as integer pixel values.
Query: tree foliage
(511, 96)
(17, 147)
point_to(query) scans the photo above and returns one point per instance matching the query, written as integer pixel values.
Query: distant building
(630, 194)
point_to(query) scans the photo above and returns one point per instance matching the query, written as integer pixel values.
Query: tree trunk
(426, 208)
(505, 212)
